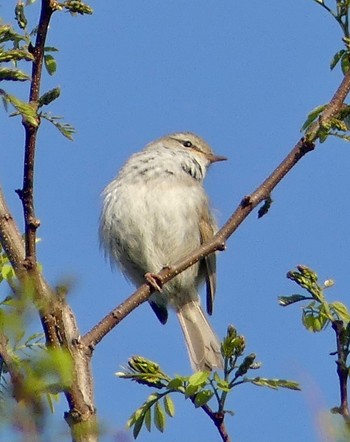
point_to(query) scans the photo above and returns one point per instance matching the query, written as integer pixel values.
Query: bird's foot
(154, 280)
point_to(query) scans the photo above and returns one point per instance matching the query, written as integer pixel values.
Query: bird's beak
(215, 158)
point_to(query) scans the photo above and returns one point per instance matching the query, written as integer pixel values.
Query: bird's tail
(202, 344)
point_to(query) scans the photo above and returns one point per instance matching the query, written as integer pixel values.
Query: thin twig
(27, 192)
(218, 420)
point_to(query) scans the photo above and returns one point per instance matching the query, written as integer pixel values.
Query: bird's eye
(187, 143)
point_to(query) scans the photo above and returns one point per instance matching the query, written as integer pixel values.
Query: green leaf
(223, 385)
(133, 418)
(284, 301)
(159, 417)
(175, 384)
(20, 16)
(312, 116)
(275, 383)
(25, 109)
(138, 425)
(191, 390)
(199, 378)
(337, 56)
(7, 272)
(66, 129)
(50, 64)
(15, 55)
(7, 74)
(203, 397)
(314, 319)
(49, 97)
(345, 63)
(148, 418)
(323, 135)
(341, 310)
(78, 7)
(50, 49)
(169, 405)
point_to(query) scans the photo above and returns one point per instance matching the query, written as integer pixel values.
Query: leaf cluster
(18, 47)
(318, 313)
(200, 388)
(29, 370)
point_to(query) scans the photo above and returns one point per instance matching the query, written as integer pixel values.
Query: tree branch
(247, 204)
(217, 243)
(218, 420)
(342, 369)
(26, 194)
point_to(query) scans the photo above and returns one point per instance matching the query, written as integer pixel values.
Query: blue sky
(243, 75)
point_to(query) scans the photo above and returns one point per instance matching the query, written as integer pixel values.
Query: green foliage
(200, 388)
(338, 125)
(66, 129)
(340, 14)
(319, 313)
(36, 372)
(77, 7)
(17, 47)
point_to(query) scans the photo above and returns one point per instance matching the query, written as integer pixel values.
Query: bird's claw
(154, 280)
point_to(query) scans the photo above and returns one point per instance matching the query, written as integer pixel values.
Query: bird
(155, 212)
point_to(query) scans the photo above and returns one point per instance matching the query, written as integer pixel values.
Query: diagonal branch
(217, 243)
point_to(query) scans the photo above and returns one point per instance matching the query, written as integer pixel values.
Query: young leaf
(314, 319)
(7, 74)
(341, 311)
(191, 390)
(169, 406)
(19, 15)
(284, 301)
(223, 385)
(345, 63)
(199, 378)
(25, 109)
(66, 129)
(15, 55)
(175, 384)
(203, 397)
(148, 418)
(138, 425)
(275, 383)
(50, 64)
(312, 116)
(159, 417)
(49, 97)
(337, 56)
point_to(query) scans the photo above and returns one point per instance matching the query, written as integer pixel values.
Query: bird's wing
(206, 233)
